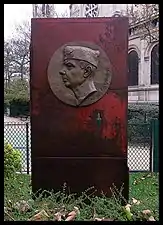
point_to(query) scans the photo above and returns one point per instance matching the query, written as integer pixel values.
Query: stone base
(80, 173)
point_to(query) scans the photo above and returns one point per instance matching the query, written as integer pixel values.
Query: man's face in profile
(72, 74)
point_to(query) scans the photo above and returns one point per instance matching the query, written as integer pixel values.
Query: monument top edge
(83, 19)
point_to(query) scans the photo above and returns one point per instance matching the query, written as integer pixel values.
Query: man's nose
(62, 72)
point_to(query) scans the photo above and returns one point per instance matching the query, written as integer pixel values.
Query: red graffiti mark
(113, 118)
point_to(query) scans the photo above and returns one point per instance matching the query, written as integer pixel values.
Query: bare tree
(17, 49)
(146, 17)
(8, 63)
(64, 15)
(44, 10)
(16, 53)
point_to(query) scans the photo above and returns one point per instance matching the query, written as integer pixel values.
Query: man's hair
(83, 65)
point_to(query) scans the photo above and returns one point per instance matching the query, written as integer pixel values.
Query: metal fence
(139, 147)
(139, 144)
(19, 136)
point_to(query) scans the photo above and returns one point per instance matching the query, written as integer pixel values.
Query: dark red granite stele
(68, 145)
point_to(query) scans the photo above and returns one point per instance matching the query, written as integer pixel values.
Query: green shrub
(19, 107)
(16, 96)
(12, 160)
(142, 112)
(140, 116)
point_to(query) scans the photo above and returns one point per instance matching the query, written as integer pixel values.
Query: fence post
(151, 149)
(27, 146)
(155, 145)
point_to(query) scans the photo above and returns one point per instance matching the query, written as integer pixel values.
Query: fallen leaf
(135, 201)
(107, 219)
(138, 202)
(127, 212)
(98, 219)
(146, 211)
(58, 216)
(149, 175)
(71, 216)
(22, 206)
(41, 216)
(127, 207)
(76, 209)
(36, 211)
(151, 218)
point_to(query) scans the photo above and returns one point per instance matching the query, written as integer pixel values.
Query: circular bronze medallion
(79, 73)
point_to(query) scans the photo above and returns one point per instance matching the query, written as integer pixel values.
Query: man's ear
(87, 71)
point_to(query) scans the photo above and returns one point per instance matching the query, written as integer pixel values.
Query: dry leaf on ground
(71, 216)
(127, 207)
(76, 209)
(135, 201)
(151, 218)
(146, 211)
(41, 216)
(98, 219)
(22, 206)
(58, 216)
(103, 219)
(107, 219)
(149, 175)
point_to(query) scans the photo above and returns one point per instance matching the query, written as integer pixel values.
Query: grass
(143, 187)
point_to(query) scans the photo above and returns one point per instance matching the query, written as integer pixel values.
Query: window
(155, 65)
(133, 68)
(91, 10)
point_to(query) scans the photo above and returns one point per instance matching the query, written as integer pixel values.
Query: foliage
(17, 48)
(19, 108)
(47, 11)
(139, 118)
(145, 16)
(145, 187)
(17, 97)
(6, 104)
(16, 54)
(139, 133)
(12, 160)
(142, 112)
(19, 204)
(19, 90)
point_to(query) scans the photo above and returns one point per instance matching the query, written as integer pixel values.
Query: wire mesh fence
(139, 147)
(19, 136)
(139, 144)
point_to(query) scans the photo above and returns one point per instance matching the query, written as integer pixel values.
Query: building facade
(143, 55)
(43, 10)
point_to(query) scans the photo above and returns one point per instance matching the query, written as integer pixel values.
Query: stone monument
(79, 104)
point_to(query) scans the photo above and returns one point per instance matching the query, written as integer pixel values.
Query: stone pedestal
(82, 145)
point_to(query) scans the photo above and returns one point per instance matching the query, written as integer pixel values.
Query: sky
(15, 13)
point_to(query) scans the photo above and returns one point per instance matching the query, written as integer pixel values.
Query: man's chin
(67, 84)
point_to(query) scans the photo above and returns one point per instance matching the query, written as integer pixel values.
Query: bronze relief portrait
(79, 74)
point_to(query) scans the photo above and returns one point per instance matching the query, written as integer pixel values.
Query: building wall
(110, 9)
(144, 91)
